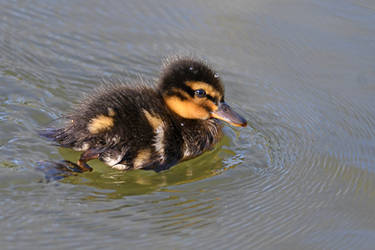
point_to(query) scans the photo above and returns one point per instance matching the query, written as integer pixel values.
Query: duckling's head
(194, 91)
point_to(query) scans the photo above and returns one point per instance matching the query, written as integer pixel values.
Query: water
(301, 175)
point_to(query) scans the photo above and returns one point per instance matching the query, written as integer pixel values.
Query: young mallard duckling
(143, 127)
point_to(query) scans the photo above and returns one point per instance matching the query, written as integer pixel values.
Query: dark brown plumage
(131, 127)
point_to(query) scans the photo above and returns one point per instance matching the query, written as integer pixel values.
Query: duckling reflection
(116, 185)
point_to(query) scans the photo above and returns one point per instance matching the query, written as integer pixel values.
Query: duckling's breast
(198, 137)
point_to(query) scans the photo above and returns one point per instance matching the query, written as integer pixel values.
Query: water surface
(301, 175)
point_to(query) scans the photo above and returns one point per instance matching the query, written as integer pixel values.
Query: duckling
(143, 127)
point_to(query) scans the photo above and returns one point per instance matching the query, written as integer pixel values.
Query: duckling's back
(126, 127)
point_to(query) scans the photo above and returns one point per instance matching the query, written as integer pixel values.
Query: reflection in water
(135, 182)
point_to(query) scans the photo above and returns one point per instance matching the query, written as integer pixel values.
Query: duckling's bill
(225, 113)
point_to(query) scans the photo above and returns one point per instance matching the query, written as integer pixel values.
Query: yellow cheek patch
(154, 121)
(142, 157)
(192, 107)
(208, 88)
(100, 123)
(186, 108)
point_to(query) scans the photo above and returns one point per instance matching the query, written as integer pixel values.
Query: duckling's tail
(50, 133)
(55, 135)
(65, 137)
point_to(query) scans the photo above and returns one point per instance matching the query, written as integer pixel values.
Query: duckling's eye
(200, 93)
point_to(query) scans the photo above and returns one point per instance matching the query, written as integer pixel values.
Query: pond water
(300, 176)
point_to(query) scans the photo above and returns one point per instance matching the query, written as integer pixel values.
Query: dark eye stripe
(211, 98)
(188, 90)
